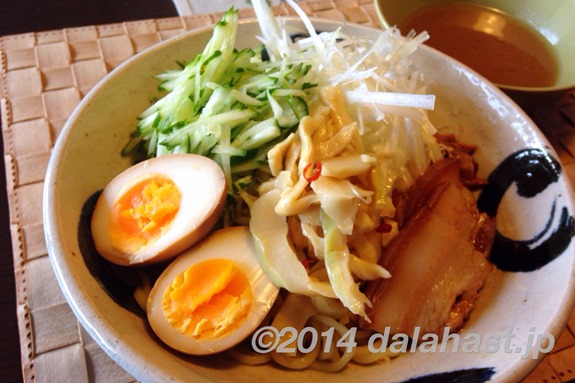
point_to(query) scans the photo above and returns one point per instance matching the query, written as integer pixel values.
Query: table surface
(20, 16)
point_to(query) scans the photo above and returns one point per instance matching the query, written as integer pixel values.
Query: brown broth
(499, 47)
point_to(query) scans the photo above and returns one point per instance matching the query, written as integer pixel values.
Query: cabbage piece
(347, 166)
(278, 153)
(365, 270)
(293, 198)
(276, 256)
(337, 262)
(338, 143)
(339, 199)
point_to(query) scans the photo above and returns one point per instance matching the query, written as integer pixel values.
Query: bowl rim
(81, 307)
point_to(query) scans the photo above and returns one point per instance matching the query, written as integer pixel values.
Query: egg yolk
(208, 300)
(143, 213)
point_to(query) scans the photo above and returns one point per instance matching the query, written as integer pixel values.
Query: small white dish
(515, 307)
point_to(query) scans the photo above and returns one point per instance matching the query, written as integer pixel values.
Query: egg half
(212, 296)
(158, 208)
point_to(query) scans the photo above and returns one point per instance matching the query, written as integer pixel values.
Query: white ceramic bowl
(514, 305)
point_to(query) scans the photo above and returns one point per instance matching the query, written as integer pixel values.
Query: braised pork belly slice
(437, 261)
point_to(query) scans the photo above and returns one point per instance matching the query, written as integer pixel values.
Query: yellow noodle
(333, 365)
(300, 312)
(363, 355)
(299, 361)
(337, 361)
(251, 358)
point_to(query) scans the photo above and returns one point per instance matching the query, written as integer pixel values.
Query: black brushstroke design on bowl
(532, 170)
(472, 375)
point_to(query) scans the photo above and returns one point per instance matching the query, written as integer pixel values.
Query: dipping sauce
(504, 50)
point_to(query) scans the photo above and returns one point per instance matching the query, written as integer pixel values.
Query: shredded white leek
(367, 134)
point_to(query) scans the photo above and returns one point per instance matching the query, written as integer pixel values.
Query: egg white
(202, 186)
(233, 243)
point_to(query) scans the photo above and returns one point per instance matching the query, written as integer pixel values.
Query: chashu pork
(438, 260)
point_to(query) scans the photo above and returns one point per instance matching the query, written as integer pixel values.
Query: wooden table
(21, 16)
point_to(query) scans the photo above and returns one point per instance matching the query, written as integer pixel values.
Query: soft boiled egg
(158, 208)
(212, 296)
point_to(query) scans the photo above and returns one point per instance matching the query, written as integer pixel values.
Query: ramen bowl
(527, 297)
(549, 21)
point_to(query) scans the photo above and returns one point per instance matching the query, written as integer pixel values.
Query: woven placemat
(44, 76)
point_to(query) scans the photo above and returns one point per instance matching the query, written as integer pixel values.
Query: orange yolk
(143, 213)
(208, 300)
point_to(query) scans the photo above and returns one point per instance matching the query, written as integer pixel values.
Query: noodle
(300, 311)
(334, 361)
(250, 358)
(299, 361)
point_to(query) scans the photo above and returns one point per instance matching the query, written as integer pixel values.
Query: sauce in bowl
(504, 50)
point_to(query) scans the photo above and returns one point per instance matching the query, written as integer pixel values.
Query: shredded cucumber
(229, 105)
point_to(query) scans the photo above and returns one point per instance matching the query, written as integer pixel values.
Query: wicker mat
(44, 76)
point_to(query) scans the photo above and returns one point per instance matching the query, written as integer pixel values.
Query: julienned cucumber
(229, 105)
